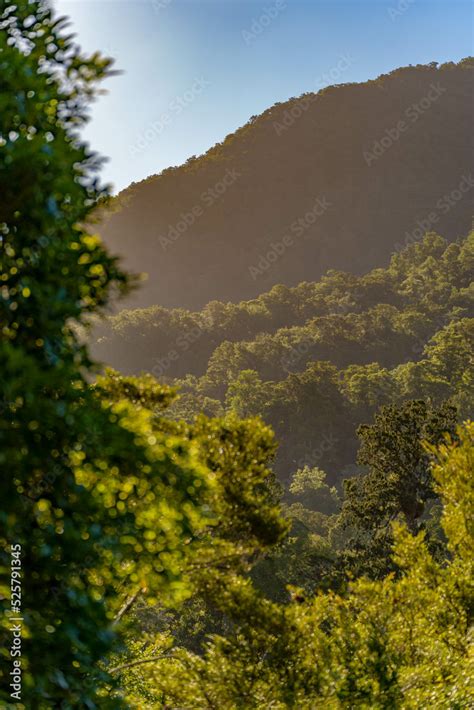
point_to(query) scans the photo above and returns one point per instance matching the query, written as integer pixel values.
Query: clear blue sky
(195, 70)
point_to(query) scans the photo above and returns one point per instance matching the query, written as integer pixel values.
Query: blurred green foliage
(99, 502)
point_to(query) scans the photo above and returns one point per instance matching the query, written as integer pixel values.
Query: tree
(398, 642)
(243, 523)
(398, 485)
(98, 504)
(246, 395)
(309, 487)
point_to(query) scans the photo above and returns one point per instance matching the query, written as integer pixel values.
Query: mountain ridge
(334, 187)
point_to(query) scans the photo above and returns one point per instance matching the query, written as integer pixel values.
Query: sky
(194, 71)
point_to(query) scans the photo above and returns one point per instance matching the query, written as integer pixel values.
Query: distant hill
(316, 360)
(328, 180)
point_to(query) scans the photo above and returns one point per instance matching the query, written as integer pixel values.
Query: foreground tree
(243, 523)
(98, 502)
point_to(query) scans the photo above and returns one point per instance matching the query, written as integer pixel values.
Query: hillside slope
(328, 180)
(348, 345)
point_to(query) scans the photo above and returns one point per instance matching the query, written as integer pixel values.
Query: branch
(128, 605)
(141, 661)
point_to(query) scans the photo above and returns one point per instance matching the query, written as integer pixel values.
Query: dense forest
(316, 360)
(260, 504)
(305, 187)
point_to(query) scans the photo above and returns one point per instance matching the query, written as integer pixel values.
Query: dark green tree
(398, 485)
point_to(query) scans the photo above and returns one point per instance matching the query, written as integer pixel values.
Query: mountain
(334, 180)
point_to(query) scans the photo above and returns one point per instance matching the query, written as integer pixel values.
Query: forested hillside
(333, 180)
(318, 359)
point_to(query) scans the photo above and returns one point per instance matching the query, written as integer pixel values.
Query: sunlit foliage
(402, 642)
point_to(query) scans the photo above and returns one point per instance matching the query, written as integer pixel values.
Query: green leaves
(100, 502)
(399, 642)
(398, 485)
